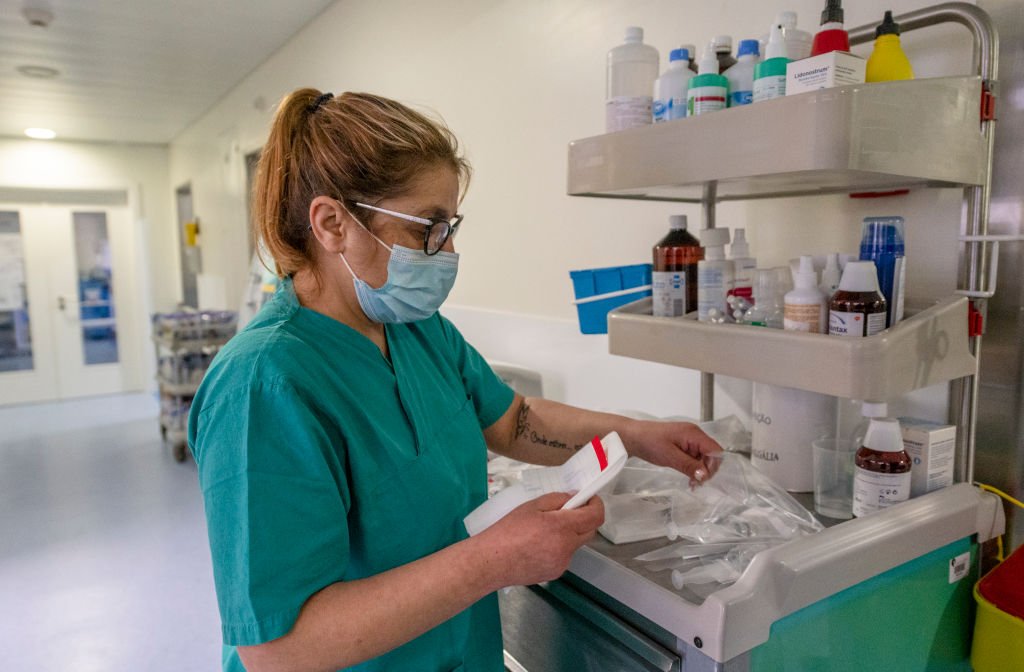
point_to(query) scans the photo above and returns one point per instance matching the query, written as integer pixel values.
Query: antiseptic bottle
(882, 473)
(675, 270)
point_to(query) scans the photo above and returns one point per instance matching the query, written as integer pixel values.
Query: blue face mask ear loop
(365, 228)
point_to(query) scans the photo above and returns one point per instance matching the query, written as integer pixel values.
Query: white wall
(517, 80)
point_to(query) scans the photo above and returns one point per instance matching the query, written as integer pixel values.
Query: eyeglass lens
(437, 236)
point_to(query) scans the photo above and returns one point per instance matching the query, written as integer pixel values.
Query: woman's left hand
(679, 445)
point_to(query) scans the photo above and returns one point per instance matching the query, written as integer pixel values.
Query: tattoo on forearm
(524, 430)
(522, 424)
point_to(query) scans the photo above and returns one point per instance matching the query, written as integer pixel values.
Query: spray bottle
(739, 252)
(831, 36)
(715, 275)
(770, 74)
(708, 91)
(798, 42)
(888, 62)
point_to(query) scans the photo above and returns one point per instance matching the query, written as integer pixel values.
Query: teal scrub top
(321, 461)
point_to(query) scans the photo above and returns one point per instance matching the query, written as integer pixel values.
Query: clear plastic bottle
(882, 473)
(632, 69)
(670, 88)
(723, 51)
(770, 74)
(675, 270)
(708, 91)
(715, 276)
(739, 252)
(888, 61)
(764, 288)
(805, 304)
(741, 75)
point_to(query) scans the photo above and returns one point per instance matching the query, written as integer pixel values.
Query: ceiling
(134, 71)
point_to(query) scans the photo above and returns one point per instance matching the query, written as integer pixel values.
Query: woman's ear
(328, 219)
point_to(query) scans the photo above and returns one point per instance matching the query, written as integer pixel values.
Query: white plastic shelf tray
(862, 137)
(924, 349)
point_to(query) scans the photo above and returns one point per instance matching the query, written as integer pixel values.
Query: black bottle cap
(888, 26)
(833, 12)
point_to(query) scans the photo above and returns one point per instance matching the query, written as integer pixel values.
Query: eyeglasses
(438, 229)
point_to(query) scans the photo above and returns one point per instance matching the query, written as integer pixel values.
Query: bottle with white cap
(857, 308)
(798, 42)
(739, 252)
(830, 276)
(708, 91)
(882, 473)
(741, 75)
(722, 45)
(670, 88)
(715, 275)
(632, 69)
(805, 308)
(770, 74)
(674, 279)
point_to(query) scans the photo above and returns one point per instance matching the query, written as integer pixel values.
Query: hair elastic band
(323, 98)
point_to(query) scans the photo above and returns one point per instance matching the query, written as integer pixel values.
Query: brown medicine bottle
(882, 472)
(857, 308)
(675, 270)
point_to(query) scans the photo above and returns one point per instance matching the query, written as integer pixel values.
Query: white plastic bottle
(741, 75)
(744, 265)
(632, 69)
(770, 74)
(715, 275)
(670, 88)
(798, 42)
(830, 276)
(806, 309)
(708, 91)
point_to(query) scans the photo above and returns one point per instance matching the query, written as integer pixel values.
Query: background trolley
(185, 343)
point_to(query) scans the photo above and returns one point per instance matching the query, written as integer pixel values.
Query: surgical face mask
(416, 286)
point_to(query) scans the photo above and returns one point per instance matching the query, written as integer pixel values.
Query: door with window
(68, 312)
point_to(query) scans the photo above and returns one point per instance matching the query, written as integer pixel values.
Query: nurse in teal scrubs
(342, 436)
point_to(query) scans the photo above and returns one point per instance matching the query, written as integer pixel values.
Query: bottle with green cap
(882, 473)
(770, 74)
(888, 62)
(708, 91)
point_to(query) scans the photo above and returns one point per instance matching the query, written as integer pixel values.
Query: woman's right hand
(536, 541)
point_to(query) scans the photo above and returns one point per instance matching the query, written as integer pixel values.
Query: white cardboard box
(931, 447)
(836, 68)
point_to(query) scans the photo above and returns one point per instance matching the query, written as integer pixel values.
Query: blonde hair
(353, 147)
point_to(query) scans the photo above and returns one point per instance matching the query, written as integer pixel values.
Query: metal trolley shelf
(185, 345)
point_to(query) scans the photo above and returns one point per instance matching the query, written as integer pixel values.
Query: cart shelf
(167, 386)
(863, 137)
(928, 347)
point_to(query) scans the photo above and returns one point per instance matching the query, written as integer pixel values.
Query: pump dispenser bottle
(770, 74)
(831, 36)
(882, 475)
(708, 91)
(744, 265)
(888, 62)
(805, 305)
(715, 276)
(675, 270)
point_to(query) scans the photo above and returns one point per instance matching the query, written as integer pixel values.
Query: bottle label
(873, 491)
(741, 98)
(669, 289)
(802, 317)
(622, 112)
(841, 323)
(769, 87)
(659, 110)
(711, 291)
(668, 109)
(706, 99)
(677, 107)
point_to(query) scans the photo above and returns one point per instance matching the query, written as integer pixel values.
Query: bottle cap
(833, 12)
(678, 55)
(722, 43)
(786, 19)
(832, 262)
(888, 26)
(714, 237)
(708, 62)
(739, 247)
(805, 277)
(677, 222)
(884, 435)
(871, 409)
(776, 44)
(859, 276)
(748, 48)
(634, 34)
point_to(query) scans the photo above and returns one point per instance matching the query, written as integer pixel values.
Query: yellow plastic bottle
(888, 62)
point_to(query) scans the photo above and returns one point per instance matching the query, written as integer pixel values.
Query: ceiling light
(38, 71)
(40, 133)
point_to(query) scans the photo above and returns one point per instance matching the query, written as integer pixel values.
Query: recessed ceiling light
(38, 71)
(40, 133)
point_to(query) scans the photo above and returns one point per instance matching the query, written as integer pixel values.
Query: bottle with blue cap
(670, 88)
(741, 75)
(882, 243)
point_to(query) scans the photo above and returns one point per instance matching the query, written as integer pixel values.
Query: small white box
(931, 447)
(836, 68)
